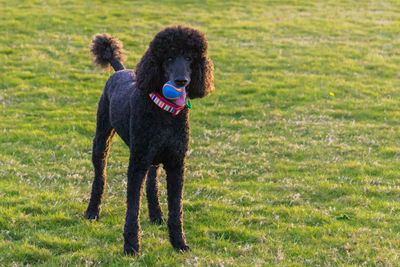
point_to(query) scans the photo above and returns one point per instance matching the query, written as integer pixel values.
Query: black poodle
(155, 129)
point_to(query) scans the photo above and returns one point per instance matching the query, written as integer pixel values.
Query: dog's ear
(148, 73)
(202, 80)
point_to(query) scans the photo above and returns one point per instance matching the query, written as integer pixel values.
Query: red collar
(165, 105)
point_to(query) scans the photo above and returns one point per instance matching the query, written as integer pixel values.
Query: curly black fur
(169, 43)
(153, 135)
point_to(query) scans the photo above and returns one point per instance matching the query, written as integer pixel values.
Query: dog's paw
(92, 214)
(157, 220)
(156, 216)
(183, 248)
(131, 250)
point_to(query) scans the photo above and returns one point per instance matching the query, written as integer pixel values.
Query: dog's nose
(180, 82)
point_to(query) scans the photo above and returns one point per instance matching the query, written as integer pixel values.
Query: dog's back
(119, 91)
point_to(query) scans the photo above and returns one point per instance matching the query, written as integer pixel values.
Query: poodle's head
(177, 54)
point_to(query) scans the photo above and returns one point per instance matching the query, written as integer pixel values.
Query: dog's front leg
(175, 191)
(136, 175)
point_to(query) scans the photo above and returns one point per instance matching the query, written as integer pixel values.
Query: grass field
(294, 160)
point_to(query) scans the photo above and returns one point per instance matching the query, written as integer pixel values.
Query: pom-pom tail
(107, 51)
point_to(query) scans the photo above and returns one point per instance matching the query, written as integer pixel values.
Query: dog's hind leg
(101, 147)
(155, 212)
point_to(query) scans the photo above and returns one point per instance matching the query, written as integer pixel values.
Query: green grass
(280, 171)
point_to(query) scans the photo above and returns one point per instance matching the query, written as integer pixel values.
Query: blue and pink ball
(171, 91)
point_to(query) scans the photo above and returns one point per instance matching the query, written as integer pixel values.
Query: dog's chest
(170, 142)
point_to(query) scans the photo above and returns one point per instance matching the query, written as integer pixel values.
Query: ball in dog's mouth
(175, 94)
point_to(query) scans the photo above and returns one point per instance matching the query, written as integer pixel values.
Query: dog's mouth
(175, 94)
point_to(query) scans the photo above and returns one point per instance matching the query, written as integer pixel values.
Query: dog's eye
(188, 58)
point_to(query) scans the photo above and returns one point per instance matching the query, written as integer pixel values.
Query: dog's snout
(181, 81)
